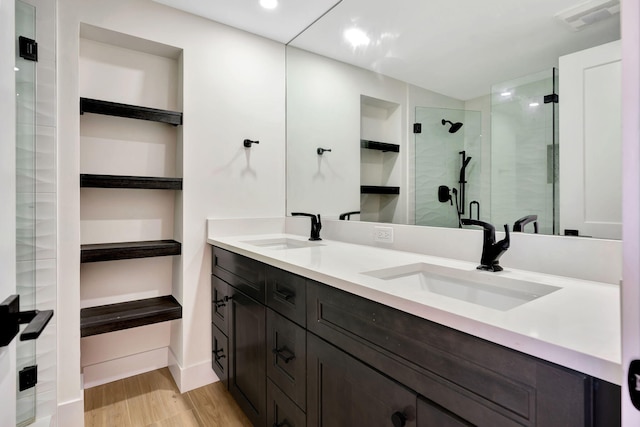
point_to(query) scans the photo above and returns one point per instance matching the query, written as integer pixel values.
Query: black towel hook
(321, 151)
(248, 142)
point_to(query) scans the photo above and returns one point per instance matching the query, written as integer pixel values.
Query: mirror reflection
(434, 113)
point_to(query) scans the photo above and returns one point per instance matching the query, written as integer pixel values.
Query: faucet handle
(504, 243)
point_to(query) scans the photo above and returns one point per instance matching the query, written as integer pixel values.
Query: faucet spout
(316, 224)
(491, 250)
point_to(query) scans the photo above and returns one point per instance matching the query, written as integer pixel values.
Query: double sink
(487, 289)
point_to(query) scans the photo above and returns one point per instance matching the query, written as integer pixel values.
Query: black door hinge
(28, 48)
(417, 128)
(551, 98)
(28, 377)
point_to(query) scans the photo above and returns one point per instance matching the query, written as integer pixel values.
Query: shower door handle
(11, 318)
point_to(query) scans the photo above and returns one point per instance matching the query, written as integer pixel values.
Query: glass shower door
(524, 151)
(25, 201)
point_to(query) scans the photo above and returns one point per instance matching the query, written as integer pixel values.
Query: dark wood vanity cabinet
(304, 353)
(261, 311)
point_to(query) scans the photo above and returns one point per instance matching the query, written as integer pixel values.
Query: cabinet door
(344, 392)
(281, 411)
(220, 354)
(286, 357)
(247, 377)
(219, 304)
(432, 415)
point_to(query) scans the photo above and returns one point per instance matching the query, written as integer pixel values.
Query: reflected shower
(455, 127)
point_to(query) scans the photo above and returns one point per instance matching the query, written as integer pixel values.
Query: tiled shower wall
(37, 209)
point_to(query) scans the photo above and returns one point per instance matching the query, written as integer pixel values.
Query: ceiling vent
(589, 13)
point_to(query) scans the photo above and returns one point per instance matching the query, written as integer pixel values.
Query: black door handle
(11, 318)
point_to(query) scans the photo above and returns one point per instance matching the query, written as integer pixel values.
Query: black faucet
(491, 250)
(316, 224)
(519, 224)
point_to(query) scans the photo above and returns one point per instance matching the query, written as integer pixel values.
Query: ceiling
(281, 24)
(455, 47)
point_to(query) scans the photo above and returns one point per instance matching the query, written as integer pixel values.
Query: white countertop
(577, 326)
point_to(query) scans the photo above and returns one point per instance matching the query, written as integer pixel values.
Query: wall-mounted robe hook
(321, 151)
(248, 142)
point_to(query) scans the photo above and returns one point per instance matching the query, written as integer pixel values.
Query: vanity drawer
(220, 354)
(281, 411)
(220, 304)
(286, 357)
(241, 272)
(286, 294)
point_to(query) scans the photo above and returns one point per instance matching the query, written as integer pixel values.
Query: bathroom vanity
(333, 334)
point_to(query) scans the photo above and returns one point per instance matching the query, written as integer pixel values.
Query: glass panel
(25, 199)
(439, 161)
(524, 152)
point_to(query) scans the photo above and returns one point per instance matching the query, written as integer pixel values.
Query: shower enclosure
(524, 151)
(447, 153)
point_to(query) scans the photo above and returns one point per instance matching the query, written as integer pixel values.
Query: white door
(591, 142)
(631, 202)
(7, 204)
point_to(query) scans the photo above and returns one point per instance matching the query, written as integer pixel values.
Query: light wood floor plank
(216, 407)
(184, 419)
(153, 396)
(153, 400)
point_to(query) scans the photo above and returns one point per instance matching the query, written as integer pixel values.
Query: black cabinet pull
(398, 419)
(282, 424)
(285, 296)
(284, 354)
(222, 301)
(219, 356)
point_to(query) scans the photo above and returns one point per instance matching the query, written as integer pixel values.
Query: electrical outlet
(383, 234)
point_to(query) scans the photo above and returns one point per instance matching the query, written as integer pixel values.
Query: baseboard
(124, 367)
(71, 413)
(191, 377)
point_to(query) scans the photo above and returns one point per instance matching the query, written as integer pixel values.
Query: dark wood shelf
(96, 106)
(382, 146)
(135, 182)
(379, 189)
(130, 314)
(129, 250)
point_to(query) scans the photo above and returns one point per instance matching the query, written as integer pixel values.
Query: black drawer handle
(285, 296)
(219, 356)
(222, 301)
(282, 424)
(284, 354)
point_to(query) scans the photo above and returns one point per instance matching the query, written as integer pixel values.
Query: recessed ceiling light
(269, 4)
(534, 104)
(356, 37)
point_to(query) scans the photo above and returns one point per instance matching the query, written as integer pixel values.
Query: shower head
(455, 127)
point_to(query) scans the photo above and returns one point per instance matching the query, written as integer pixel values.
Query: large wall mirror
(424, 112)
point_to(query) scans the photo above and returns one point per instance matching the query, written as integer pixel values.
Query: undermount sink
(483, 288)
(283, 243)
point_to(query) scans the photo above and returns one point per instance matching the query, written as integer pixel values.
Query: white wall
(233, 89)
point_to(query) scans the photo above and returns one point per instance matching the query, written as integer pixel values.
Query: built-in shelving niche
(380, 164)
(128, 151)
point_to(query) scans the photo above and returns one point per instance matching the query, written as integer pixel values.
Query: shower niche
(380, 164)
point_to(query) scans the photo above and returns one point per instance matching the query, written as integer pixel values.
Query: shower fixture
(455, 127)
